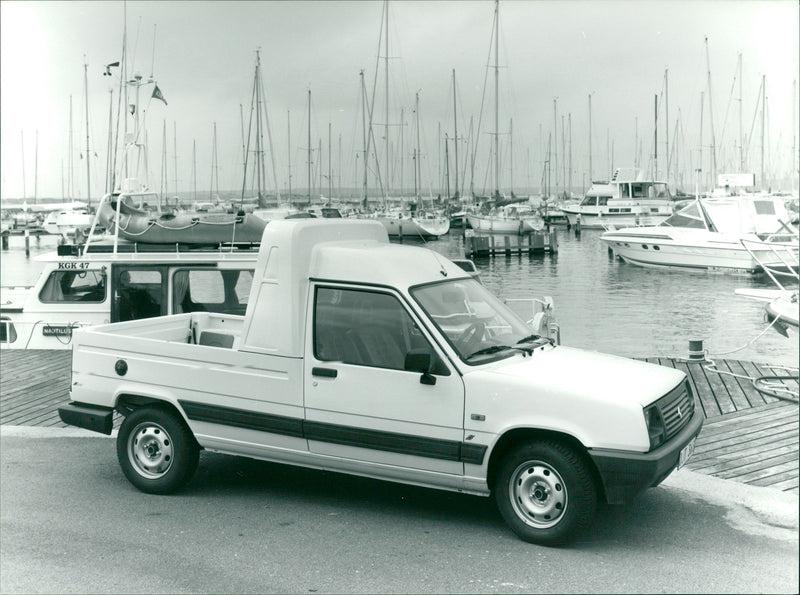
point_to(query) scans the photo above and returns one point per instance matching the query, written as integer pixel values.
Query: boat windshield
(689, 216)
(479, 326)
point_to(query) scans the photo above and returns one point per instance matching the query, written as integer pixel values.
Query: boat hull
(414, 227)
(590, 220)
(489, 224)
(662, 250)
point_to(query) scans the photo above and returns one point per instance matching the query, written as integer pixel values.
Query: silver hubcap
(538, 494)
(150, 450)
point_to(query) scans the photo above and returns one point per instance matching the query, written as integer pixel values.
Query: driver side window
(366, 328)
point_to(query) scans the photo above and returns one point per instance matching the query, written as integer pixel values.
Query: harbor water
(601, 303)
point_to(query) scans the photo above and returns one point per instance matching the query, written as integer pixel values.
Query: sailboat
(510, 218)
(409, 220)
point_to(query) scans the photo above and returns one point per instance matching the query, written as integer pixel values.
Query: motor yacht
(707, 235)
(624, 201)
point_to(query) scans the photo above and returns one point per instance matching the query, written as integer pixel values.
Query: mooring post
(696, 351)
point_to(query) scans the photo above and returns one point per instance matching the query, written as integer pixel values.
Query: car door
(360, 402)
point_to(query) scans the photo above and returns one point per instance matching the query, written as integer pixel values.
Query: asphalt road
(71, 523)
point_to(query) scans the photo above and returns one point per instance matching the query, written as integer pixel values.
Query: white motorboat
(707, 235)
(625, 201)
(69, 221)
(514, 218)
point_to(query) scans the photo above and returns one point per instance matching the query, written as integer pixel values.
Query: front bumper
(625, 474)
(91, 417)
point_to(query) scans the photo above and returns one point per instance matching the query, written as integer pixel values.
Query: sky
(556, 58)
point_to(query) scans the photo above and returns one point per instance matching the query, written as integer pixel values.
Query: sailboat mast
(22, 143)
(70, 184)
(309, 147)
(455, 130)
(702, 104)
(666, 118)
(109, 173)
(36, 169)
(711, 120)
(763, 119)
(194, 170)
(386, 82)
(175, 155)
(590, 139)
(214, 165)
(569, 183)
(417, 167)
(741, 137)
(289, 147)
(364, 132)
(496, 98)
(330, 171)
(86, 113)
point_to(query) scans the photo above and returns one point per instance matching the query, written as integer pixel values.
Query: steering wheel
(474, 332)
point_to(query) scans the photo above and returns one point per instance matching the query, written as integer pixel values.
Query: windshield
(477, 324)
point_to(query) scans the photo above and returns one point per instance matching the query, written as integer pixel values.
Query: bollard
(5, 241)
(696, 350)
(27, 244)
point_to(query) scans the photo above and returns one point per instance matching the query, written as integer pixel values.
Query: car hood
(605, 377)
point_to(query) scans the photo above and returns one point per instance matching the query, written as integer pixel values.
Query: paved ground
(72, 523)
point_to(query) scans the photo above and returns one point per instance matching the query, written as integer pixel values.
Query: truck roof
(294, 251)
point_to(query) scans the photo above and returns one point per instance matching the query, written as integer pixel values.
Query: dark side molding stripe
(434, 448)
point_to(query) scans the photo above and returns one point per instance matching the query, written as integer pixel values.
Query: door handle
(324, 372)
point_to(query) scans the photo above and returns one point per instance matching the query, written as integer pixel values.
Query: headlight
(656, 429)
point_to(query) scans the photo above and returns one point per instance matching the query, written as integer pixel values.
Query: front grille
(677, 408)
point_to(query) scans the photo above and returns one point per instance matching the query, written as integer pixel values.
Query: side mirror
(420, 361)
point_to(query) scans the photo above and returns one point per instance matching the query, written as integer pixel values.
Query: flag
(109, 67)
(158, 95)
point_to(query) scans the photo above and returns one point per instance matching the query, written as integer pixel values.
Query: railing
(786, 254)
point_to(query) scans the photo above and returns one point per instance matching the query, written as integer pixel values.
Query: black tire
(546, 493)
(156, 450)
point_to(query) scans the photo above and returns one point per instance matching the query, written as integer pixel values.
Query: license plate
(686, 453)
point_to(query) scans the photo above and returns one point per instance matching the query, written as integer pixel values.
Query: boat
(781, 309)
(514, 218)
(113, 280)
(413, 223)
(116, 212)
(69, 220)
(624, 201)
(707, 235)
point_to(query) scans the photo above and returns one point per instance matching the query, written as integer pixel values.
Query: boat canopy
(757, 215)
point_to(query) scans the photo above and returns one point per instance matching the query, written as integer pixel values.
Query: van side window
(211, 290)
(140, 294)
(365, 328)
(74, 286)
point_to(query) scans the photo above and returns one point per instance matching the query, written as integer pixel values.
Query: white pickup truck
(364, 357)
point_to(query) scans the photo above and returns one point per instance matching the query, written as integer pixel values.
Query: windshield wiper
(542, 340)
(497, 348)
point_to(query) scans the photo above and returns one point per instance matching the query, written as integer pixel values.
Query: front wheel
(545, 492)
(156, 450)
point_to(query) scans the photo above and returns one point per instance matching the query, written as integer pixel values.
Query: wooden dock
(749, 436)
(493, 245)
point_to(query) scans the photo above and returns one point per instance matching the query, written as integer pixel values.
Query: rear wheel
(156, 450)
(545, 492)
